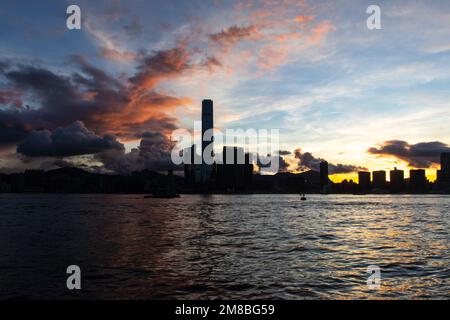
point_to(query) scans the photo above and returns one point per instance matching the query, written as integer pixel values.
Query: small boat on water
(303, 198)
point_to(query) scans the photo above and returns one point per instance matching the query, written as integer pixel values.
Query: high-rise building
(364, 181)
(207, 125)
(445, 166)
(417, 180)
(233, 173)
(324, 179)
(443, 175)
(397, 183)
(192, 166)
(379, 179)
(248, 171)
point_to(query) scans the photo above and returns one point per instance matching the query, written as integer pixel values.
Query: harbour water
(225, 246)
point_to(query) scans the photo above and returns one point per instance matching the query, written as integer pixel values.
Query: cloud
(273, 32)
(128, 106)
(72, 140)
(153, 153)
(211, 63)
(320, 31)
(419, 155)
(64, 106)
(116, 55)
(10, 97)
(12, 128)
(234, 34)
(303, 19)
(308, 162)
(161, 65)
(284, 152)
(90, 95)
(269, 162)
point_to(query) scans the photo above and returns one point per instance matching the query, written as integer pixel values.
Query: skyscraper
(379, 179)
(364, 181)
(207, 124)
(397, 182)
(324, 180)
(192, 166)
(417, 180)
(445, 166)
(443, 175)
(232, 173)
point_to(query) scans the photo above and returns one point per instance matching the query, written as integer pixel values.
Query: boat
(303, 198)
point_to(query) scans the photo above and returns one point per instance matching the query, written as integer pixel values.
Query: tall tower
(324, 180)
(445, 165)
(207, 124)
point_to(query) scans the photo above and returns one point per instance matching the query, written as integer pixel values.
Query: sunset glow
(364, 99)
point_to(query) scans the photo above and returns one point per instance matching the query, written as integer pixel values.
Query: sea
(225, 246)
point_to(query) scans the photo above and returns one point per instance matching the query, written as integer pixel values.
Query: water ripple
(225, 247)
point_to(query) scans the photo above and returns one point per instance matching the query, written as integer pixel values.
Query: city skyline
(108, 96)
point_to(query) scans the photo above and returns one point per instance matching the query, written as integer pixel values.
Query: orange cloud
(318, 32)
(276, 33)
(303, 19)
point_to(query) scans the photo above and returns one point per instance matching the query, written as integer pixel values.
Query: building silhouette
(75, 180)
(417, 181)
(445, 165)
(397, 180)
(443, 175)
(379, 180)
(233, 174)
(192, 166)
(324, 177)
(207, 127)
(364, 184)
(346, 186)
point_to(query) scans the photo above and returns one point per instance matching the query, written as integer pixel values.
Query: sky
(108, 96)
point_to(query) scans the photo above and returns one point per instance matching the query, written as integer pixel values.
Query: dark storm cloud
(73, 140)
(160, 65)
(283, 165)
(60, 100)
(105, 105)
(308, 162)
(419, 155)
(10, 98)
(90, 95)
(284, 152)
(12, 128)
(270, 161)
(52, 88)
(154, 153)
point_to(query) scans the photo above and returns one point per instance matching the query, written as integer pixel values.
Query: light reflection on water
(207, 247)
